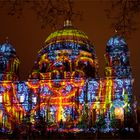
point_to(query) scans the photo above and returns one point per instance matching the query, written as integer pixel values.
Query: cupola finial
(67, 23)
(7, 39)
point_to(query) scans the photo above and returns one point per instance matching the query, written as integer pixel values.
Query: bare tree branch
(49, 12)
(122, 14)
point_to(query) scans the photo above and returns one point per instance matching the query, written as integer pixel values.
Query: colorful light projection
(9, 63)
(65, 59)
(60, 97)
(66, 101)
(100, 97)
(64, 85)
(117, 58)
(11, 109)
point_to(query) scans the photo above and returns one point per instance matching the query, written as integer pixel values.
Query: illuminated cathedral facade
(64, 85)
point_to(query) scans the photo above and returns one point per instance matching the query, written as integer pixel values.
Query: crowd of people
(41, 130)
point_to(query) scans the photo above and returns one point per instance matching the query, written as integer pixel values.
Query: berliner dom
(64, 87)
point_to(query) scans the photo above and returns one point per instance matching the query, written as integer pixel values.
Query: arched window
(90, 70)
(43, 67)
(2, 66)
(67, 66)
(116, 61)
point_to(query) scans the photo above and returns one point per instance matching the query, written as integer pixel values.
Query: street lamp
(119, 113)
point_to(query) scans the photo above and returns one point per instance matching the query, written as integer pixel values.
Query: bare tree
(123, 15)
(49, 12)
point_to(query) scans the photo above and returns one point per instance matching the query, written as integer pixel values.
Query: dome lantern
(67, 23)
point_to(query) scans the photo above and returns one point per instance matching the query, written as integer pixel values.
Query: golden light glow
(119, 113)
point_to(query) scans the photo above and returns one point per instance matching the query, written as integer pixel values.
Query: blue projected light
(7, 48)
(118, 103)
(68, 88)
(64, 87)
(116, 41)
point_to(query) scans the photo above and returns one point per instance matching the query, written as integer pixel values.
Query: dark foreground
(71, 135)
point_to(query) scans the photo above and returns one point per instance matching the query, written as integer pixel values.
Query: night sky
(26, 35)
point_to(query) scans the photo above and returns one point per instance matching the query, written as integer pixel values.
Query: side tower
(117, 58)
(118, 73)
(9, 74)
(9, 63)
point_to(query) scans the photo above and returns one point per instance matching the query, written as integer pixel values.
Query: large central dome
(68, 33)
(68, 37)
(68, 51)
